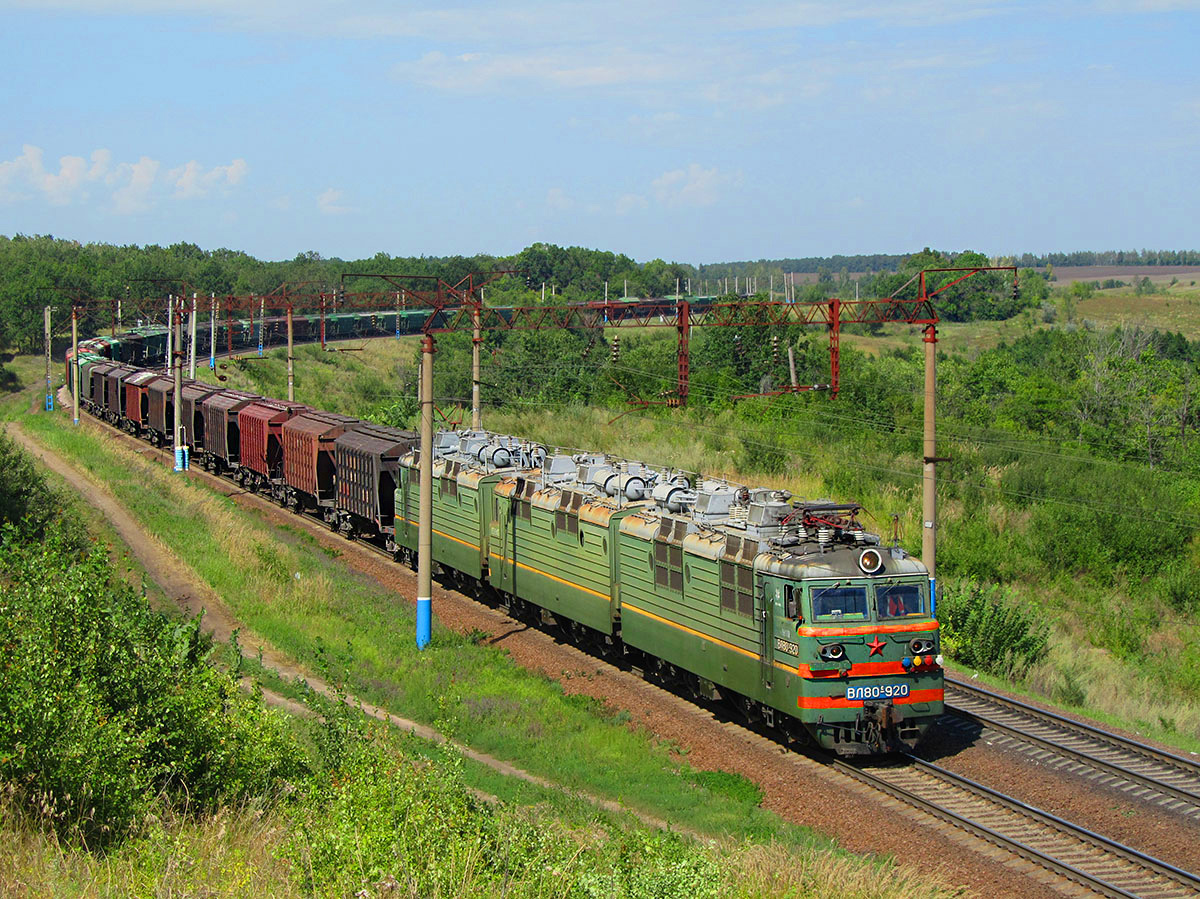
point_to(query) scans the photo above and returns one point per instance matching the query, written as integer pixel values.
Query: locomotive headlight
(920, 646)
(834, 652)
(870, 561)
(938, 659)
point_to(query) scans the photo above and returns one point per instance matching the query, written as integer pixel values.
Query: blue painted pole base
(49, 402)
(179, 458)
(424, 621)
(186, 458)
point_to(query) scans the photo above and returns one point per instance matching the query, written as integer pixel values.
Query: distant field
(1159, 274)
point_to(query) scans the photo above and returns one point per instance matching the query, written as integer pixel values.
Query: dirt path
(799, 789)
(193, 597)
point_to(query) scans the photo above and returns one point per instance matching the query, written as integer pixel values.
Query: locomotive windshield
(899, 600)
(839, 601)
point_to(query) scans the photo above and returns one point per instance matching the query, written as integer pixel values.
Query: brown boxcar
(262, 451)
(191, 412)
(96, 389)
(309, 463)
(137, 400)
(222, 437)
(367, 464)
(114, 391)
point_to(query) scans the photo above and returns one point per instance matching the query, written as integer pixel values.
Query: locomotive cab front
(859, 624)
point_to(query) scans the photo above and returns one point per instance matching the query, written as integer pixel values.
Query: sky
(693, 132)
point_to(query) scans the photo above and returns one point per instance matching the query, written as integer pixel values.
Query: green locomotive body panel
(554, 555)
(461, 512)
(671, 605)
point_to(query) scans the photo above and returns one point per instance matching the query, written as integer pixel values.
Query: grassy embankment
(288, 590)
(1078, 672)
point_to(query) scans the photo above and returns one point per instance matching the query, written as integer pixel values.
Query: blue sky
(697, 132)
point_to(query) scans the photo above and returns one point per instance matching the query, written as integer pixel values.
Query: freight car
(787, 609)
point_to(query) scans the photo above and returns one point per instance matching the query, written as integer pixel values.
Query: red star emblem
(876, 646)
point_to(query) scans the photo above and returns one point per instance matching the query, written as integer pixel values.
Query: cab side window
(790, 605)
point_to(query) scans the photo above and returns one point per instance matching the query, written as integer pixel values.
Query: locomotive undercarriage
(879, 727)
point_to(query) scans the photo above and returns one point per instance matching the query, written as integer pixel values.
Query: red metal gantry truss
(458, 306)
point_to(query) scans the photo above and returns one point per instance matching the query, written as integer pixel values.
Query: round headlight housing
(833, 652)
(870, 561)
(920, 646)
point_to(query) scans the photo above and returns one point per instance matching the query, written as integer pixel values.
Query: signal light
(834, 652)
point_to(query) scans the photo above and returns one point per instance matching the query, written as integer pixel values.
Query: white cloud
(329, 202)
(138, 178)
(191, 179)
(694, 186)
(627, 203)
(557, 199)
(130, 186)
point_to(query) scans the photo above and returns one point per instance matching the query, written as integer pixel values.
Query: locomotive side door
(766, 595)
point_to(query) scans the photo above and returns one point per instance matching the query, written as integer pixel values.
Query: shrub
(984, 627)
(406, 826)
(27, 502)
(106, 706)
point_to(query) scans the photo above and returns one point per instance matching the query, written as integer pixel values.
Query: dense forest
(41, 271)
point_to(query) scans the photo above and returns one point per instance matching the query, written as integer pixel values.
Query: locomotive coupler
(878, 723)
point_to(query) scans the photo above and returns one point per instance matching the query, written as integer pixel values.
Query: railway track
(1088, 859)
(1164, 778)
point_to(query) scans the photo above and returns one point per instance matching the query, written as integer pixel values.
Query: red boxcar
(137, 399)
(309, 466)
(260, 425)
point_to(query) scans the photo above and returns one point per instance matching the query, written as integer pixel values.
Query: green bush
(27, 502)
(384, 821)
(985, 628)
(106, 706)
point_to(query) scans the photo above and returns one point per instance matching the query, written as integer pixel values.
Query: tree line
(37, 271)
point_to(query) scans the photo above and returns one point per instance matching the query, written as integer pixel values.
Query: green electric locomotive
(789, 610)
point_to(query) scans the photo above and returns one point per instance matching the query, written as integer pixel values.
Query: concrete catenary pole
(49, 386)
(212, 327)
(262, 323)
(425, 523)
(170, 333)
(192, 341)
(291, 359)
(176, 326)
(476, 340)
(792, 366)
(929, 482)
(75, 365)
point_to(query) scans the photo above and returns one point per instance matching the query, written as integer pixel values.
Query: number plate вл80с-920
(877, 691)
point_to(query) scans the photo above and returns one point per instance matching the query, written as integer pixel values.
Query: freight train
(787, 609)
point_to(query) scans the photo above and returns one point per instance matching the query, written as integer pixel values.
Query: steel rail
(1178, 876)
(1106, 739)
(1192, 766)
